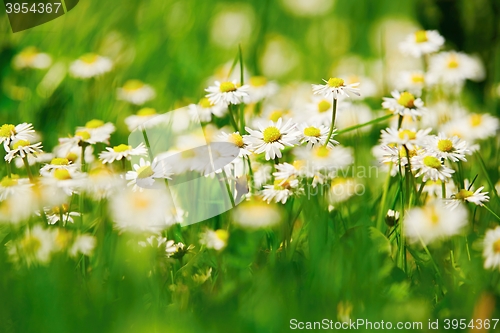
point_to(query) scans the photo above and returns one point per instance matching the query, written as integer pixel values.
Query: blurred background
(176, 46)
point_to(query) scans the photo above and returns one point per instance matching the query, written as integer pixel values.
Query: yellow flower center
(280, 184)
(298, 164)
(72, 157)
(335, 82)
(62, 174)
(29, 53)
(312, 131)
(7, 130)
(30, 245)
(236, 139)
(476, 120)
(57, 209)
(83, 134)
(402, 152)
(276, 114)
(132, 85)
(417, 78)
(94, 123)
(121, 148)
(432, 215)
(432, 162)
(421, 36)
(322, 151)
(63, 238)
(8, 182)
(496, 246)
(258, 81)
(205, 103)
(271, 134)
(222, 234)
(89, 58)
(445, 145)
(141, 203)
(408, 134)
(144, 112)
(59, 161)
(145, 172)
(21, 143)
(463, 194)
(452, 62)
(324, 106)
(227, 87)
(406, 99)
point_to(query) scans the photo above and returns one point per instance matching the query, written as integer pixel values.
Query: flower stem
(374, 121)
(332, 125)
(27, 166)
(9, 171)
(492, 212)
(231, 117)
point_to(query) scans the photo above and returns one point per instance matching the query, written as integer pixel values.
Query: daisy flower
(281, 190)
(205, 109)
(316, 135)
(216, 240)
(260, 88)
(122, 151)
(36, 247)
(13, 185)
(83, 244)
(145, 173)
(23, 148)
(68, 180)
(287, 170)
(491, 251)
(58, 163)
(30, 57)
(225, 93)
(430, 167)
(9, 133)
(318, 111)
(90, 65)
(468, 194)
(144, 117)
(341, 189)
(177, 250)
(153, 241)
(392, 217)
(453, 68)
(434, 221)
(102, 183)
(408, 137)
(256, 214)
(404, 103)
(444, 147)
(473, 127)
(273, 138)
(136, 92)
(96, 130)
(335, 87)
(412, 81)
(236, 139)
(422, 42)
(323, 158)
(55, 214)
(139, 211)
(435, 188)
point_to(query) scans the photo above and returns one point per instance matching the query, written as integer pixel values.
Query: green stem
(384, 199)
(332, 125)
(374, 121)
(9, 170)
(231, 117)
(492, 212)
(443, 190)
(228, 188)
(28, 169)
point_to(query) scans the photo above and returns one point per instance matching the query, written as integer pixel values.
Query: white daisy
(335, 87)
(139, 211)
(9, 133)
(260, 88)
(36, 247)
(102, 183)
(204, 110)
(83, 244)
(323, 158)
(153, 241)
(136, 92)
(434, 221)
(58, 163)
(236, 139)
(435, 188)
(281, 190)
(392, 217)
(316, 135)
(422, 42)
(13, 185)
(145, 117)
(23, 148)
(404, 103)
(412, 81)
(90, 65)
(97, 130)
(68, 180)
(273, 138)
(122, 151)
(177, 250)
(468, 194)
(216, 240)
(430, 167)
(55, 214)
(408, 137)
(341, 189)
(450, 148)
(256, 214)
(473, 127)
(453, 68)
(30, 57)
(225, 93)
(145, 173)
(491, 251)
